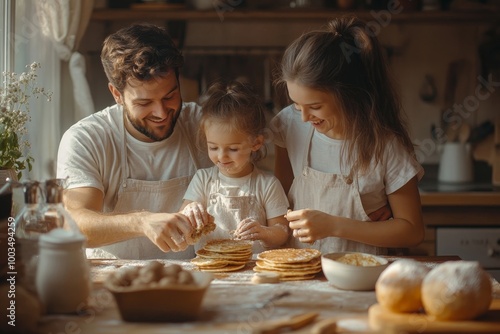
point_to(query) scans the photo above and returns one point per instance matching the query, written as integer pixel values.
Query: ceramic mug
(456, 163)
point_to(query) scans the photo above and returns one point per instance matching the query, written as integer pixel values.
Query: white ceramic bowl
(163, 304)
(352, 277)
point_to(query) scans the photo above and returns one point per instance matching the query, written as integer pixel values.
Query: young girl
(344, 145)
(247, 203)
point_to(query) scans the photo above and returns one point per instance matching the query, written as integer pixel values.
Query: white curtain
(52, 31)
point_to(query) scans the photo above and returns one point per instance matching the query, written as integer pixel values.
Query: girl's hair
(141, 51)
(346, 60)
(239, 107)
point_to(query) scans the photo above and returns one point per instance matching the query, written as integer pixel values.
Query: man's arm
(167, 230)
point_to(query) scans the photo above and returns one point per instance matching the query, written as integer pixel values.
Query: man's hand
(168, 231)
(196, 214)
(384, 213)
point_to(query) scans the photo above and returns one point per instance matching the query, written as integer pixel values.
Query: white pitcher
(63, 278)
(456, 165)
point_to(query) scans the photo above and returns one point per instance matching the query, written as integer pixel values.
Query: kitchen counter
(461, 198)
(232, 304)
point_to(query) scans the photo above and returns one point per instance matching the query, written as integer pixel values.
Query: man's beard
(139, 126)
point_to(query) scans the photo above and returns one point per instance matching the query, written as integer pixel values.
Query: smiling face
(151, 107)
(317, 107)
(230, 149)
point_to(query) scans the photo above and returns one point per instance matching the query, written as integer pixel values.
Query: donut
(457, 290)
(398, 287)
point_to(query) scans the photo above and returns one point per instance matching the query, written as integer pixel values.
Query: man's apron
(153, 196)
(334, 194)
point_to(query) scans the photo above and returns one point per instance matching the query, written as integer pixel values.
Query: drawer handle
(493, 252)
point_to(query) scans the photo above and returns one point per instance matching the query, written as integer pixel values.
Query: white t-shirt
(90, 153)
(269, 192)
(381, 179)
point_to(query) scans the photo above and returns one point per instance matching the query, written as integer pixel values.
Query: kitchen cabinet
(466, 224)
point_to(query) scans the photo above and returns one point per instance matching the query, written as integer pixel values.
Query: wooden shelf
(441, 17)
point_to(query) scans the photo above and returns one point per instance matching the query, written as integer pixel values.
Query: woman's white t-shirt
(396, 168)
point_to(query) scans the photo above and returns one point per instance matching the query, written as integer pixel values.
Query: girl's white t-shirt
(394, 171)
(269, 192)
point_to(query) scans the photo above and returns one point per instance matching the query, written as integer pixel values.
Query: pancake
(225, 269)
(312, 263)
(289, 275)
(228, 246)
(289, 255)
(200, 231)
(290, 263)
(229, 256)
(223, 255)
(263, 265)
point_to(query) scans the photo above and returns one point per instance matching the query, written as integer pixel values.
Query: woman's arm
(406, 229)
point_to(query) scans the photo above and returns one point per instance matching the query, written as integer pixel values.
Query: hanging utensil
(449, 99)
(464, 133)
(428, 91)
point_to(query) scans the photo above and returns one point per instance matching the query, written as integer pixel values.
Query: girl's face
(317, 107)
(229, 149)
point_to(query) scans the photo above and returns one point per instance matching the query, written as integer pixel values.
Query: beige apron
(154, 196)
(229, 205)
(334, 194)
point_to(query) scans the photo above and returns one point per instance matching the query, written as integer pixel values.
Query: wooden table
(231, 305)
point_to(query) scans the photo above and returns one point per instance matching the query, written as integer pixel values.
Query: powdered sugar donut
(398, 288)
(457, 290)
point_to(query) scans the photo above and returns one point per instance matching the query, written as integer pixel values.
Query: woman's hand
(309, 225)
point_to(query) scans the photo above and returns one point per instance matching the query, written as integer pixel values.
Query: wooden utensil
(449, 93)
(291, 323)
(464, 133)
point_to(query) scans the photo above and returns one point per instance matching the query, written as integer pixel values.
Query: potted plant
(15, 94)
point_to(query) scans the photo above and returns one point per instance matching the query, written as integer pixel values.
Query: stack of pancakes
(290, 264)
(223, 255)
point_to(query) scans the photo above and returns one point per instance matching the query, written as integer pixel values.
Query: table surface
(232, 304)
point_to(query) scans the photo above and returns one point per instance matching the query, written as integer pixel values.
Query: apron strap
(124, 165)
(191, 146)
(307, 148)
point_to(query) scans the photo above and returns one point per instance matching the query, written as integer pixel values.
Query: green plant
(15, 94)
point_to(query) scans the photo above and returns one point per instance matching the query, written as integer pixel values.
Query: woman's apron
(153, 196)
(230, 205)
(334, 194)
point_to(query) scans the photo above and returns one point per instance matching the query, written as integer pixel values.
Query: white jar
(62, 279)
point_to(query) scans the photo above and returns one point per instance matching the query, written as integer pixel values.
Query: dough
(457, 290)
(263, 278)
(398, 288)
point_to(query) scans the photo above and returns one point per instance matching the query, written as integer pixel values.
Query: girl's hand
(250, 229)
(309, 225)
(196, 214)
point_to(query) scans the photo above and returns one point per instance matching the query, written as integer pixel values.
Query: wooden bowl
(176, 303)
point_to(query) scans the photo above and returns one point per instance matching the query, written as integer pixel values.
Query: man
(129, 165)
